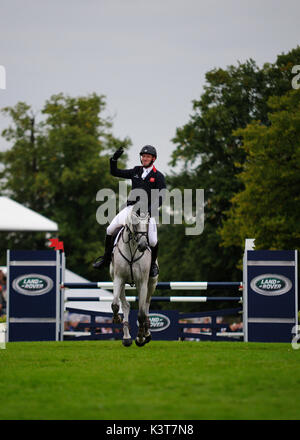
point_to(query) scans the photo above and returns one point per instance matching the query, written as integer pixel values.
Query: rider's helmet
(148, 149)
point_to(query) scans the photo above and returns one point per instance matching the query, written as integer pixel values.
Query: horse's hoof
(140, 344)
(127, 342)
(148, 339)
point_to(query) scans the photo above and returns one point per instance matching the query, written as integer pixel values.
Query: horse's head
(138, 226)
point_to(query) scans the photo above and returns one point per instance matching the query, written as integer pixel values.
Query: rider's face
(146, 159)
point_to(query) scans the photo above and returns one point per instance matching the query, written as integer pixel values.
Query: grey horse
(130, 264)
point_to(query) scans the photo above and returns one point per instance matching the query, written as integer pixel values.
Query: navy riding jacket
(154, 180)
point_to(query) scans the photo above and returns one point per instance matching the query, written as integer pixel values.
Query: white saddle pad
(117, 236)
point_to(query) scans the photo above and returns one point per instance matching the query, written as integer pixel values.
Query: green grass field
(161, 381)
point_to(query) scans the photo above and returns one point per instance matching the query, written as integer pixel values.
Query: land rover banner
(270, 295)
(34, 306)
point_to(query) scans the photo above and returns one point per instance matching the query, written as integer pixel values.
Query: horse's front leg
(118, 285)
(127, 341)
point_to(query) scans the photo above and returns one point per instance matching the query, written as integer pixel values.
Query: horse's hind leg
(151, 288)
(116, 317)
(127, 341)
(147, 332)
(116, 301)
(142, 316)
(140, 339)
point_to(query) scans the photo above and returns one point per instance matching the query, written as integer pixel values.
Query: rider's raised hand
(118, 153)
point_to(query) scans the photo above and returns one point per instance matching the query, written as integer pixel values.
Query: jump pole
(159, 298)
(167, 285)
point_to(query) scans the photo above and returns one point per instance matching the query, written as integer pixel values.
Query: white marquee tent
(16, 217)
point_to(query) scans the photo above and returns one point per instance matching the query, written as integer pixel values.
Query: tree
(56, 167)
(268, 207)
(209, 151)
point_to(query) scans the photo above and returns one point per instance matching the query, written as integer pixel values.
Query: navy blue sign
(163, 324)
(33, 295)
(270, 295)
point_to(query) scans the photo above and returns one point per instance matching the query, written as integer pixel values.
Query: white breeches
(120, 219)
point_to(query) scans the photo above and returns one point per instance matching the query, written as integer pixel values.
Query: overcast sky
(149, 57)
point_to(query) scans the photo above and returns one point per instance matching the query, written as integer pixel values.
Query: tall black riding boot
(154, 268)
(106, 258)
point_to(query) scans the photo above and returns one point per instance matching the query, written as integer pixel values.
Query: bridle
(135, 235)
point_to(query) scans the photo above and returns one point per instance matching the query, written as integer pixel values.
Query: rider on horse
(145, 177)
